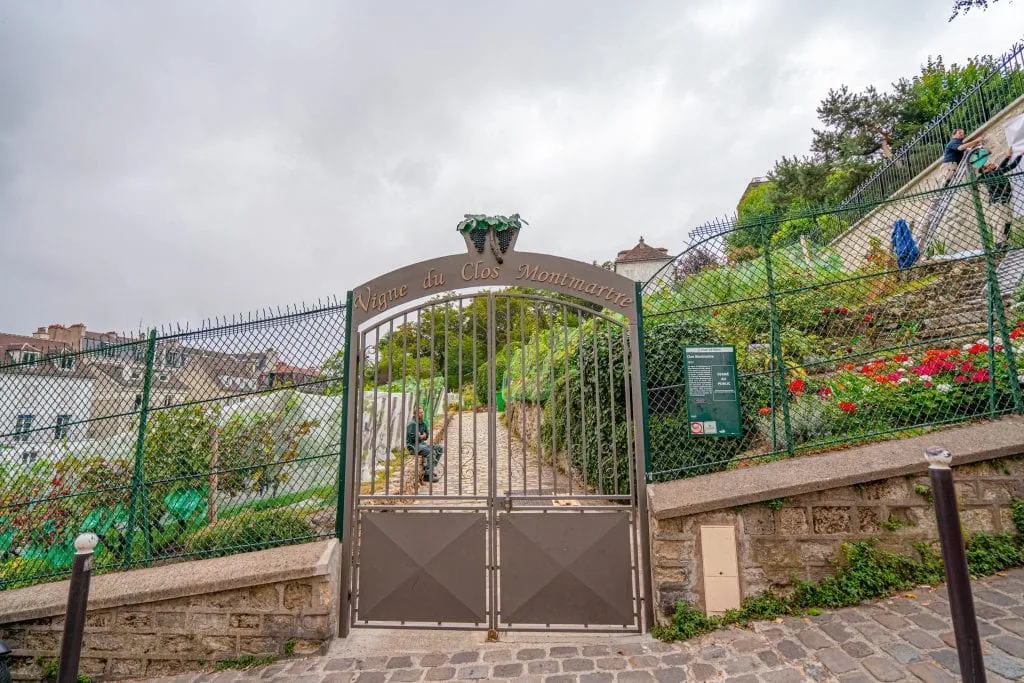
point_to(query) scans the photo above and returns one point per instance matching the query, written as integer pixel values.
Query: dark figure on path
(953, 154)
(1000, 194)
(417, 440)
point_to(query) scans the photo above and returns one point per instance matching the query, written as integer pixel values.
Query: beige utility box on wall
(721, 569)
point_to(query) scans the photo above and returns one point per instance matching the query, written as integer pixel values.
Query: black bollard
(961, 603)
(5, 653)
(74, 619)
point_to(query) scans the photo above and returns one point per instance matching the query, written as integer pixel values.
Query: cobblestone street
(908, 638)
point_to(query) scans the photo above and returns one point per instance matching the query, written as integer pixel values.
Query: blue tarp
(903, 244)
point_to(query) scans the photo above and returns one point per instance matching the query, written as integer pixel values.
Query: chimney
(40, 333)
(75, 336)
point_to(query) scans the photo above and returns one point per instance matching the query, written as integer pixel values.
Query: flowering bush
(906, 389)
(895, 392)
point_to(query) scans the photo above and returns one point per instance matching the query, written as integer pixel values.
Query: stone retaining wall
(792, 517)
(228, 607)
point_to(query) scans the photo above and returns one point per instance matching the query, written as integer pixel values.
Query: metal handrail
(900, 169)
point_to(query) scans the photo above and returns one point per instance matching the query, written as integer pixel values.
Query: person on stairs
(417, 440)
(1000, 195)
(952, 154)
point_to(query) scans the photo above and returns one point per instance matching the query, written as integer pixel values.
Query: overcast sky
(169, 161)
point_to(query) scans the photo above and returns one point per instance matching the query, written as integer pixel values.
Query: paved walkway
(907, 638)
(466, 465)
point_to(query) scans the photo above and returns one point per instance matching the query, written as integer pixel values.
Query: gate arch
(546, 529)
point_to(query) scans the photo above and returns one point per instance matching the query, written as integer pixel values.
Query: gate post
(342, 525)
(643, 460)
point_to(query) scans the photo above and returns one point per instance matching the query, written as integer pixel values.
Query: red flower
(960, 378)
(881, 379)
(798, 386)
(847, 407)
(844, 310)
(849, 366)
(1017, 333)
(978, 348)
(764, 410)
(928, 385)
(836, 310)
(998, 348)
(901, 358)
(825, 392)
(966, 366)
(825, 311)
(980, 376)
(868, 318)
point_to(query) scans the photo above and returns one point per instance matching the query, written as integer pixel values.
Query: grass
(325, 494)
(245, 662)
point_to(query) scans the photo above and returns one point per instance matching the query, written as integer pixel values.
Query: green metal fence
(838, 341)
(169, 445)
(227, 439)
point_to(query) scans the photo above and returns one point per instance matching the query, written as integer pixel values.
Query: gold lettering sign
(368, 298)
(573, 284)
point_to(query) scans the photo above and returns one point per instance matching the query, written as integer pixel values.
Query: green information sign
(712, 394)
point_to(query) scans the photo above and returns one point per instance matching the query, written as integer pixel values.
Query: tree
(965, 6)
(856, 124)
(334, 369)
(695, 261)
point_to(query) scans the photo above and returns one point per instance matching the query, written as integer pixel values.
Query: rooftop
(642, 252)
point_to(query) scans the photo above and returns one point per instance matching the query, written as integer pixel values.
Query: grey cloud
(170, 161)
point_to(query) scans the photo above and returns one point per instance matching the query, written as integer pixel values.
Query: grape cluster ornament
(497, 232)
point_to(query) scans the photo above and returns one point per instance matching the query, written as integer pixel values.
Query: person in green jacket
(1000, 194)
(417, 440)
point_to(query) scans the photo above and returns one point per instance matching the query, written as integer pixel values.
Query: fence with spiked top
(178, 443)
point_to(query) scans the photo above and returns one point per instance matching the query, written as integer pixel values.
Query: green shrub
(988, 553)
(480, 381)
(20, 572)
(1017, 512)
(687, 622)
(250, 530)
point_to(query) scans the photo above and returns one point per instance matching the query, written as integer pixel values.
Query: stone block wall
(155, 638)
(802, 536)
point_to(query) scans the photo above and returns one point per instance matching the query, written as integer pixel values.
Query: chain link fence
(849, 325)
(167, 446)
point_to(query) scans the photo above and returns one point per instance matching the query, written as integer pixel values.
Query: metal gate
(515, 501)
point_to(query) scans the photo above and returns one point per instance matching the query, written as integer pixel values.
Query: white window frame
(60, 429)
(23, 426)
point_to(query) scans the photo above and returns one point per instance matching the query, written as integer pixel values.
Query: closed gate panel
(566, 568)
(494, 453)
(422, 567)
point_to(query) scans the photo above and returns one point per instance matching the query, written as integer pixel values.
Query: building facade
(642, 262)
